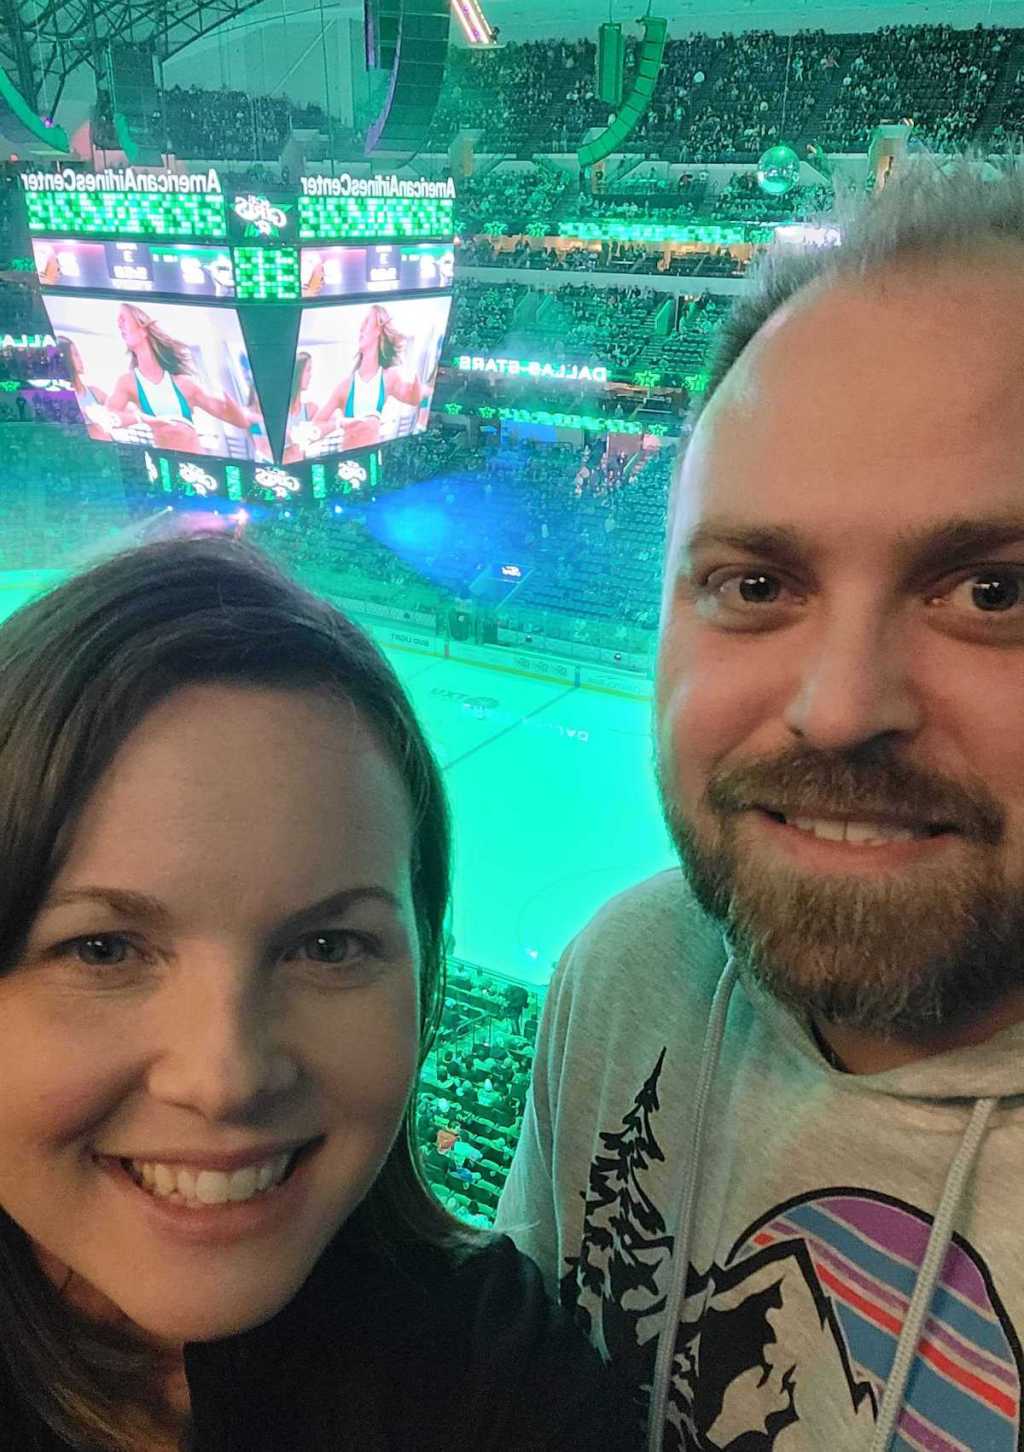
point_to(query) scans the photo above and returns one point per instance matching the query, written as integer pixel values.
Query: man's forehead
(953, 339)
(848, 388)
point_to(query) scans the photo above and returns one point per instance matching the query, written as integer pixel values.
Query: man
(773, 1155)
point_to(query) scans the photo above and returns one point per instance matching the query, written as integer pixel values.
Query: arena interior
(540, 216)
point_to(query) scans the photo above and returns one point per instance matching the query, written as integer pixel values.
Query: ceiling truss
(43, 41)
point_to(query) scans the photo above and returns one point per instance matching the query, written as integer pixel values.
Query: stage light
(474, 27)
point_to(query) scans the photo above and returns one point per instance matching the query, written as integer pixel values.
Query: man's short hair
(934, 206)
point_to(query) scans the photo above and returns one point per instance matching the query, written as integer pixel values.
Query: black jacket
(417, 1354)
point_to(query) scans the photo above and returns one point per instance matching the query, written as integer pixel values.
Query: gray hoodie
(841, 1256)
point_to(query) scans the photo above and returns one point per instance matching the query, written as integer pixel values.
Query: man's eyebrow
(922, 549)
(143, 908)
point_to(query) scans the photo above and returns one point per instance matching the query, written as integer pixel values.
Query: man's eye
(714, 588)
(994, 589)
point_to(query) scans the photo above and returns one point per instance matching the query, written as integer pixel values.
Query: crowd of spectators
(617, 328)
(473, 1089)
(1009, 129)
(228, 125)
(513, 200)
(335, 551)
(692, 201)
(729, 97)
(512, 93)
(21, 307)
(742, 200)
(573, 518)
(606, 257)
(62, 496)
(939, 77)
(755, 88)
(481, 316)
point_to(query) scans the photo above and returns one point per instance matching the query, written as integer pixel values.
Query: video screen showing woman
(138, 380)
(368, 375)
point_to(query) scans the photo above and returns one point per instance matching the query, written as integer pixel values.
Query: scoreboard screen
(138, 214)
(394, 267)
(245, 340)
(176, 268)
(161, 375)
(375, 217)
(363, 375)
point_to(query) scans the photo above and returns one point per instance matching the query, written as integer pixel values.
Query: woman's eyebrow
(141, 906)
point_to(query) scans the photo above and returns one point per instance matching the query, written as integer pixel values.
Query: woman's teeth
(208, 1187)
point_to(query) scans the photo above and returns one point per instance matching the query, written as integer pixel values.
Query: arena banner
(405, 639)
(620, 683)
(157, 181)
(347, 185)
(558, 372)
(410, 619)
(518, 661)
(20, 341)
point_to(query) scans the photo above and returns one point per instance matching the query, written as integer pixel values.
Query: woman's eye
(77, 946)
(334, 946)
(343, 946)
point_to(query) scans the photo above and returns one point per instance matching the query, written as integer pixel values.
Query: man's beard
(901, 955)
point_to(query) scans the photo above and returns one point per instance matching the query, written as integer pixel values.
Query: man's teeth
(208, 1187)
(862, 834)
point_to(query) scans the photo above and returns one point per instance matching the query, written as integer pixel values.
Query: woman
(159, 389)
(90, 397)
(300, 410)
(223, 945)
(360, 396)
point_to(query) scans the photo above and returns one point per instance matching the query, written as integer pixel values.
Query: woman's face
(307, 373)
(213, 1025)
(130, 328)
(369, 333)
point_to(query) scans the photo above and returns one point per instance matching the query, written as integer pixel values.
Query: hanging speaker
(421, 56)
(380, 26)
(652, 49)
(611, 64)
(135, 102)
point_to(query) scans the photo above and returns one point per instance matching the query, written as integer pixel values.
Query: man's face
(849, 682)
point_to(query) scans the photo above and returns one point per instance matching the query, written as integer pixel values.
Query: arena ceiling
(526, 19)
(42, 42)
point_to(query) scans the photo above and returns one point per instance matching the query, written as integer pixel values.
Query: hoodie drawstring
(929, 1275)
(681, 1254)
(927, 1278)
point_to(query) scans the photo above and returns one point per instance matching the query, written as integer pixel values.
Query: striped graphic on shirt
(964, 1391)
